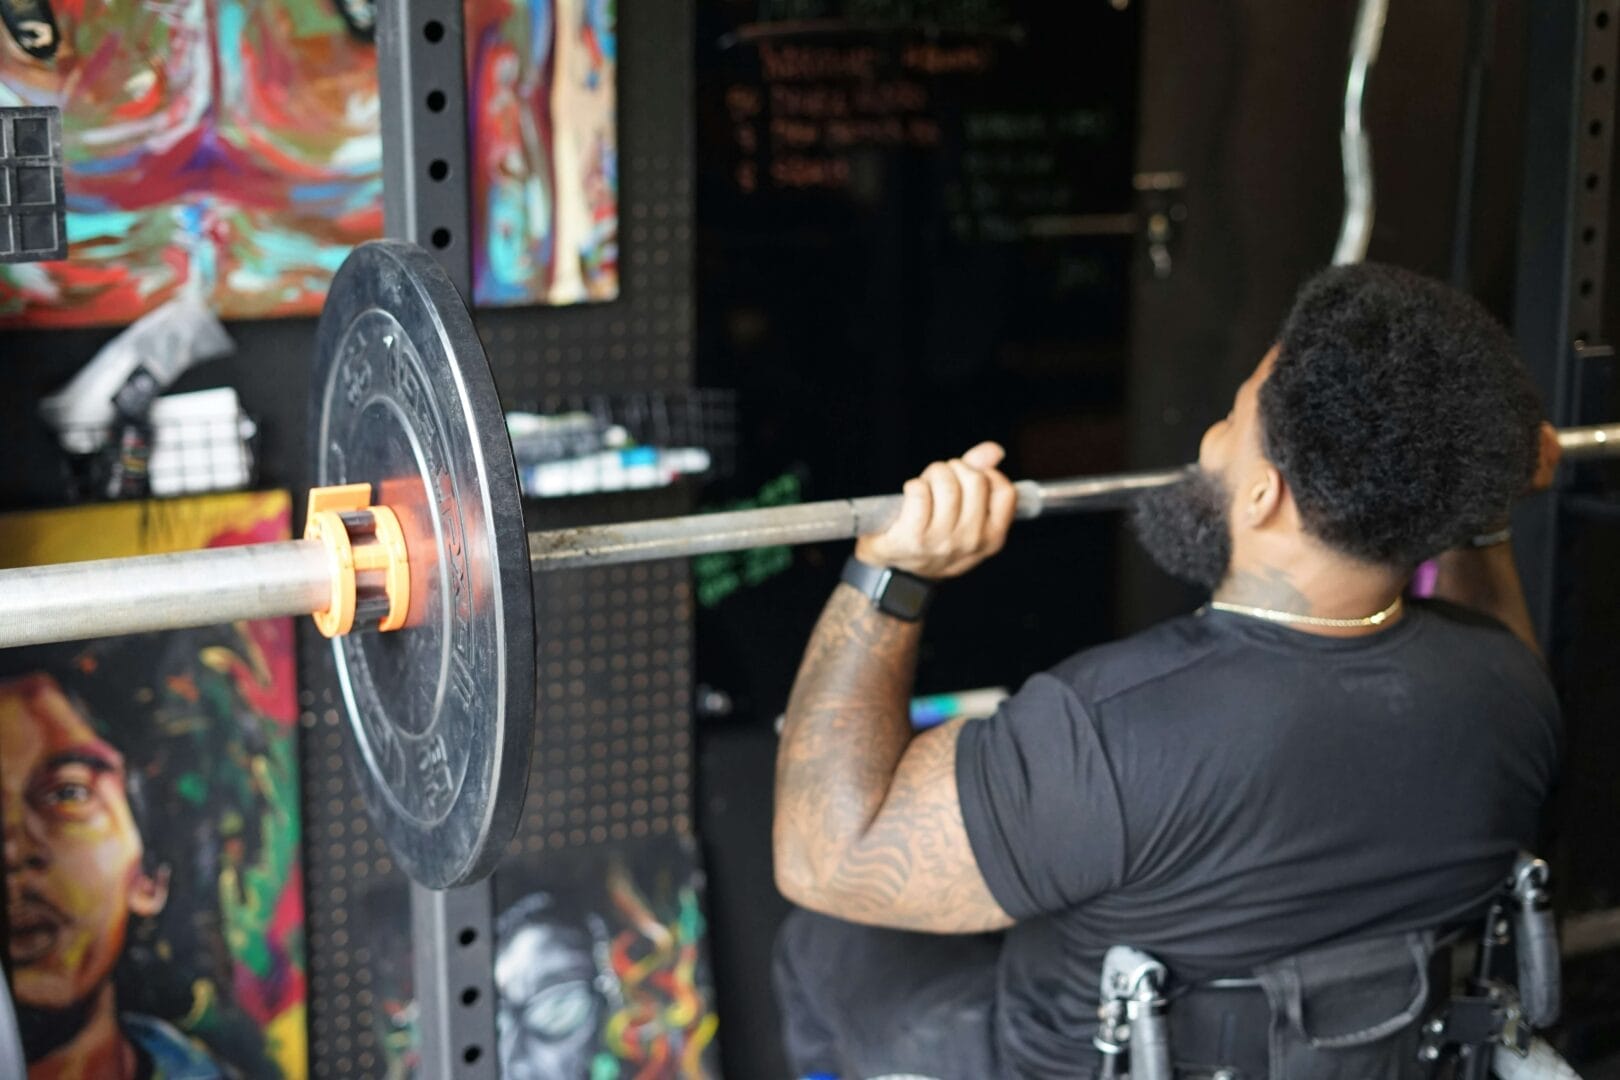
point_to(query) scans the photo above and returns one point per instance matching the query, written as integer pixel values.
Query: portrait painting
(149, 799)
(601, 967)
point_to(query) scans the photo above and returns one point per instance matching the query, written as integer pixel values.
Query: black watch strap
(893, 592)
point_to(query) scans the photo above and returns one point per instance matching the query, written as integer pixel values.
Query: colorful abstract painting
(155, 911)
(601, 968)
(228, 146)
(541, 80)
(232, 147)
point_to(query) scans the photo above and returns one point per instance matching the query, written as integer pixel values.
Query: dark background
(869, 327)
(875, 325)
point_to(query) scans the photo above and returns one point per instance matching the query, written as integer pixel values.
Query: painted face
(549, 1005)
(73, 853)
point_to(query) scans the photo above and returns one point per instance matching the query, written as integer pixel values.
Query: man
(1306, 760)
(76, 873)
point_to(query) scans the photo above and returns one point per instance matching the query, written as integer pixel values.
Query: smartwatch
(893, 592)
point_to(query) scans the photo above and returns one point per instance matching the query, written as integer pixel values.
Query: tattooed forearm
(914, 868)
(847, 725)
(868, 822)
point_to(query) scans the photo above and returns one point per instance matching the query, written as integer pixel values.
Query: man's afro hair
(1399, 413)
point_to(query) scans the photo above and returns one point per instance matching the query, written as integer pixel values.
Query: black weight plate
(442, 710)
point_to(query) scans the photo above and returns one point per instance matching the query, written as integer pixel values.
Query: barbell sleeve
(104, 597)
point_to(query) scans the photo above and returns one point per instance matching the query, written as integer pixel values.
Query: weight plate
(442, 710)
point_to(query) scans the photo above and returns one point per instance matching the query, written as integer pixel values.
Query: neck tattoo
(1377, 619)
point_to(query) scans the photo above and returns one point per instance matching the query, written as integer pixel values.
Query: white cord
(1356, 230)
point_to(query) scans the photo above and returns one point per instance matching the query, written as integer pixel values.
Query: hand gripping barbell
(416, 526)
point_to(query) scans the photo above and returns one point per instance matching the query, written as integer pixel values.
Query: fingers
(1551, 453)
(1003, 508)
(916, 510)
(973, 515)
(952, 517)
(946, 489)
(985, 456)
(1548, 454)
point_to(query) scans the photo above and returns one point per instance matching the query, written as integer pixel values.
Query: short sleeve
(1039, 801)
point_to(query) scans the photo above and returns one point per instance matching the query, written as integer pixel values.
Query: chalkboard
(1002, 104)
(915, 231)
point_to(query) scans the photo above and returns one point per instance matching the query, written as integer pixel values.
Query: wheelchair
(1384, 1009)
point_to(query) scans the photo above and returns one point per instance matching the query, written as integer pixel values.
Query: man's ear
(149, 892)
(1264, 497)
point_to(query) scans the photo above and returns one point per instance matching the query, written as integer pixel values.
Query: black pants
(860, 1002)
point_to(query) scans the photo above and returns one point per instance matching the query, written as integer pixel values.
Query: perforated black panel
(612, 757)
(612, 751)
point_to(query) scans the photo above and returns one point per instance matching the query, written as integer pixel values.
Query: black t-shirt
(1221, 791)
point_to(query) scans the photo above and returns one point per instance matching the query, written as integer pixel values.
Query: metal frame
(1563, 242)
(421, 76)
(426, 196)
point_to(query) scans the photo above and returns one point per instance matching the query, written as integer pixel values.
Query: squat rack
(422, 83)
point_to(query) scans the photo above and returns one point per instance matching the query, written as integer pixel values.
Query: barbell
(414, 536)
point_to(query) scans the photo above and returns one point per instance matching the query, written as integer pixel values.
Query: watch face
(905, 595)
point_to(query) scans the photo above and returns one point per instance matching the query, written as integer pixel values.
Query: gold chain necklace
(1309, 620)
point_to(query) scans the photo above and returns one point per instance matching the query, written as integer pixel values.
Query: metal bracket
(1476, 1022)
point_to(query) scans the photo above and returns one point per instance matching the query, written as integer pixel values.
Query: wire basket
(191, 445)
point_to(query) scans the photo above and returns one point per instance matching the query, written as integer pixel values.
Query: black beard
(1184, 528)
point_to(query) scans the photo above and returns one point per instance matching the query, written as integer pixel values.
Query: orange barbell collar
(382, 550)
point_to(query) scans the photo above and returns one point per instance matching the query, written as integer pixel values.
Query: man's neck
(99, 1048)
(1319, 585)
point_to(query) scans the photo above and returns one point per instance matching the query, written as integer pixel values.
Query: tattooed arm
(868, 824)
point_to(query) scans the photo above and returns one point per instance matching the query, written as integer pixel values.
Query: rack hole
(441, 240)
(433, 30)
(1599, 74)
(435, 101)
(1586, 287)
(472, 1054)
(1602, 20)
(469, 996)
(1588, 235)
(1591, 181)
(1595, 128)
(468, 935)
(439, 169)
